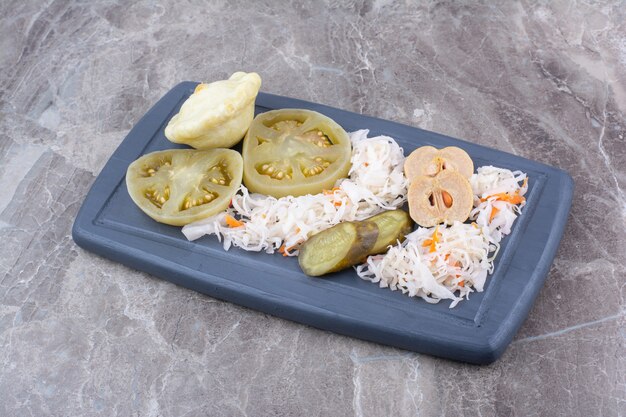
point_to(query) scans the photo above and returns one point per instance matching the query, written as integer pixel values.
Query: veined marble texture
(84, 336)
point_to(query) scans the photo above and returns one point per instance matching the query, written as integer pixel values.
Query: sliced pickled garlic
(430, 161)
(444, 198)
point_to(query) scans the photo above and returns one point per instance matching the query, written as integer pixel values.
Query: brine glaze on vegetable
(294, 152)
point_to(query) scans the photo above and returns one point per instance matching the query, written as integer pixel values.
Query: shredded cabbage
(498, 198)
(458, 260)
(375, 183)
(434, 263)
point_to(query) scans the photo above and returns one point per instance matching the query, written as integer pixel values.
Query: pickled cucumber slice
(350, 243)
(338, 247)
(392, 226)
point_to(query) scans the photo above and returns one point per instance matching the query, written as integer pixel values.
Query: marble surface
(80, 335)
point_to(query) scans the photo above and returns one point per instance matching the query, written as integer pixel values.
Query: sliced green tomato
(294, 152)
(181, 186)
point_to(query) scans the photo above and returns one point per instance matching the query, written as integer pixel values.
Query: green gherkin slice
(350, 243)
(336, 248)
(393, 226)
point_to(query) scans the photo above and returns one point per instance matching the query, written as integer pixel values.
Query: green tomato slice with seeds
(180, 186)
(294, 152)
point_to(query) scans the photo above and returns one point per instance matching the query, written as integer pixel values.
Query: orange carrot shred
(515, 198)
(461, 283)
(494, 212)
(331, 191)
(232, 222)
(432, 241)
(284, 250)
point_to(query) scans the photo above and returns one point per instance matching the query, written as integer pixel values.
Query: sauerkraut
(451, 262)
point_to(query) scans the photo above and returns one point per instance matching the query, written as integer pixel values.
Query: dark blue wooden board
(477, 330)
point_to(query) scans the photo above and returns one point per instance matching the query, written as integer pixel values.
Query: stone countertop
(80, 335)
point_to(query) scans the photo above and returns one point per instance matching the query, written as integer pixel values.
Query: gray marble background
(83, 336)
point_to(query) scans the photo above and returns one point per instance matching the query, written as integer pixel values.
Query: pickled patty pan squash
(181, 186)
(216, 115)
(294, 152)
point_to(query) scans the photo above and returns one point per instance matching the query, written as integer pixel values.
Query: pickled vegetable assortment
(181, 186)
(304, 187)
(294, 152)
